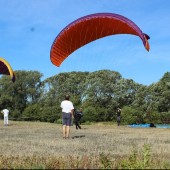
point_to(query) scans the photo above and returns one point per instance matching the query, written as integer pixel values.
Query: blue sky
(29, 27)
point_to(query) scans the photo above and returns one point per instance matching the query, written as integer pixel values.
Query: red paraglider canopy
(89, 28)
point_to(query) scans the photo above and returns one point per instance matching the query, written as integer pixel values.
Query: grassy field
(40, 145)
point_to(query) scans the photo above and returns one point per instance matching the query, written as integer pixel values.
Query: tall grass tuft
(138, 159)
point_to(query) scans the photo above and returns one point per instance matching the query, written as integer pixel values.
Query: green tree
(160, 94)
(57, 86)
(24, 92)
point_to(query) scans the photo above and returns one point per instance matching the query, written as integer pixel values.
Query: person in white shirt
(5, 112)
(67, 116)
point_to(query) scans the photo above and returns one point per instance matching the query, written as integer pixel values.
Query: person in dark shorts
(77, 117)
(67, 116)
(118, 111)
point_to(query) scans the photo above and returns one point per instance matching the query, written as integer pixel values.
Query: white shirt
(5, 112)
(67, 106)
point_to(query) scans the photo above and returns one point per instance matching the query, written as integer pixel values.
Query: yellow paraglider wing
(6, 69)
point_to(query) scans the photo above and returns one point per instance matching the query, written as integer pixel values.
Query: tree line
(99, 93)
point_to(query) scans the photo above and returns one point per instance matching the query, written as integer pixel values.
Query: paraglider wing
(6, 69)
(89, 28)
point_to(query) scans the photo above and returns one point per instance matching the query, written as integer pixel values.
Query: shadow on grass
(78, 136)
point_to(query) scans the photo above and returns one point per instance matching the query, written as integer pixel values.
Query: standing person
(67, 116)
(77, 117)
(5, 112)
(118, 111)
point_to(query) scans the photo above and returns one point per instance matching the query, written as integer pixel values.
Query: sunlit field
(40, 145)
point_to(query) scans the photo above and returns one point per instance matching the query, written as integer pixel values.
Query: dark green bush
(129, 116)
(153, 117)
(90, 114)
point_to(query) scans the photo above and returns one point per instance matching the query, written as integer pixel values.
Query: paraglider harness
(78, 115)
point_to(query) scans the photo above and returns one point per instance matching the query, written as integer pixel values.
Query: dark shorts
(118, 119)
(66, 119)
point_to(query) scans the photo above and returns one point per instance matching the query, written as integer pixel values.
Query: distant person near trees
(67, 116)
(118, 112)
(5, 112)
(77, 117)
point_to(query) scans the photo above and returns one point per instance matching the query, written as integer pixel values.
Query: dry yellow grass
(30, 138)
(22, 139)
